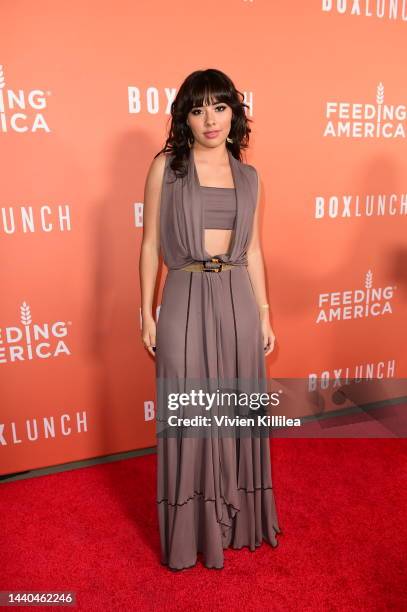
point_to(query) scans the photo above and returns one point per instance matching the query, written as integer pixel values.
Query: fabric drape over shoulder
(181, 216)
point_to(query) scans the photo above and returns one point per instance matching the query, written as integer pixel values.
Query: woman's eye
(196, 111)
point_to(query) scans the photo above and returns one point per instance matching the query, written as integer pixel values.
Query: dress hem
(179, 569)
(197, 493)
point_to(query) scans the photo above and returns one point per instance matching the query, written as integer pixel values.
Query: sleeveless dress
(213, 491)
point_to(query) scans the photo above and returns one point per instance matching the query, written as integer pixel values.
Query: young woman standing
(201, 212)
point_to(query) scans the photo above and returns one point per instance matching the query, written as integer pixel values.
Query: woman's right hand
(148, 333)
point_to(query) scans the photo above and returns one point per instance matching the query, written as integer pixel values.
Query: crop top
(219, 204)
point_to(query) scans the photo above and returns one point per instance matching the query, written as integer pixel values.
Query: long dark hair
(200, 86)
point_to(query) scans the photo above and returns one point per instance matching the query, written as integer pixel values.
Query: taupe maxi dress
(213, 491)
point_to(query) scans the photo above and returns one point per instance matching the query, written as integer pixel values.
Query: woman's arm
(150, 249)
(255, 268)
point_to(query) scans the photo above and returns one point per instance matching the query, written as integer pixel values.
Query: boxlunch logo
(153, 100)
(353, 206)
(340, 376)
(382, 9)
(355, 304)
(21, 111)
(32, 340)
(366, 120)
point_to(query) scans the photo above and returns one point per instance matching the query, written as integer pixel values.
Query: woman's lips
(211, 134)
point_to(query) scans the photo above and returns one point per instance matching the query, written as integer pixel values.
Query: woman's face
(210, 124)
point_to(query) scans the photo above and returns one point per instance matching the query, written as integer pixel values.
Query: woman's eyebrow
(215, 104)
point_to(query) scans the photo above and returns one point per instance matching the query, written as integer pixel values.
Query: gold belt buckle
(209, 268)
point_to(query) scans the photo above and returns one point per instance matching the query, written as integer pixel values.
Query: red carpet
(342, 506)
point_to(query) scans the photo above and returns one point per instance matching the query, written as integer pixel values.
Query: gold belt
(209, 265)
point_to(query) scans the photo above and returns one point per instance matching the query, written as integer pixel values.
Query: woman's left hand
(268, 336)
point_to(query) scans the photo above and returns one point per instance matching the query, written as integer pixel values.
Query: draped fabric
(181, 218)
(213, 490)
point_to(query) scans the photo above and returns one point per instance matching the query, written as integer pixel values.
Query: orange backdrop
(85, 90)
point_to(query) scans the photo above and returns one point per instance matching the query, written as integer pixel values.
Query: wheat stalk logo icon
(379, 100)
(26, 320)
(368, 284)
(380, 93)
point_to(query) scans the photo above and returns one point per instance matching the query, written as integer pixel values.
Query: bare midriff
(217, 241)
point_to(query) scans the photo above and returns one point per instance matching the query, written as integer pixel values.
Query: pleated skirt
(213, 491)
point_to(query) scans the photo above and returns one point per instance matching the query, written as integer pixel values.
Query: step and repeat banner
(85, 95)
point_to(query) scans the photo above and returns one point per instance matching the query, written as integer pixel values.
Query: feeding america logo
(20, 110)
(30, 340)
(365, 119)
(368, 301)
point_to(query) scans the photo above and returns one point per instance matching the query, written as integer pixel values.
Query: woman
(214, 486)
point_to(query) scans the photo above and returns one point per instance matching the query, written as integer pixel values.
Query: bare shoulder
(156, 169)
(154, 179)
